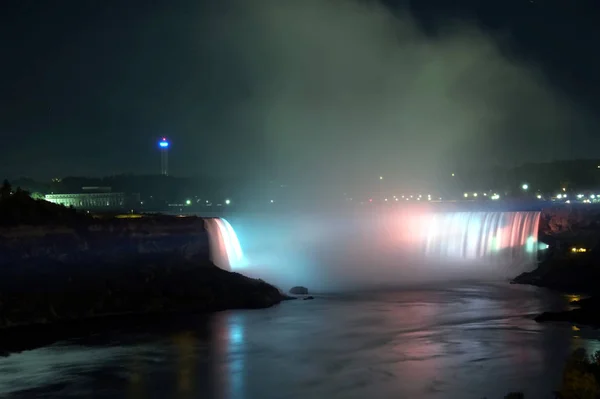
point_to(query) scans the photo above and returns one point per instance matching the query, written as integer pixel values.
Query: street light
(525, 186)
(227, 201)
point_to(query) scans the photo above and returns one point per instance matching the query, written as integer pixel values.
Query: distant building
(96, 198)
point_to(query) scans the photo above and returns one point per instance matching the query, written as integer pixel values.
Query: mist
(367, 248)
(348, 91)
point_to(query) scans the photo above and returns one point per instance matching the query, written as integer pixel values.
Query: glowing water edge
(225, 249)
(331, 251)
(497, 237)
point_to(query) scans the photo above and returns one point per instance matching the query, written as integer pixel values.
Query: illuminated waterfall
(492, 237)
(225, 249)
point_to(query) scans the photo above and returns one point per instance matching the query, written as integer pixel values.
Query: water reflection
(473, 341)
(230, 328)
(137, 382)
(186, 358)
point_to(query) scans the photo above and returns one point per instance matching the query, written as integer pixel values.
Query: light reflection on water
(463, 342)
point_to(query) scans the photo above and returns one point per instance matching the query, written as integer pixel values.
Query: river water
(463, 341)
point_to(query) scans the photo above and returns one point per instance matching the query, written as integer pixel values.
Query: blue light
(163, 144)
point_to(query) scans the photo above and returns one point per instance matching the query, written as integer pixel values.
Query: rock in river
(299, 290)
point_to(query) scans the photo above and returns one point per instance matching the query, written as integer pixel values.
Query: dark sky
(328, 89)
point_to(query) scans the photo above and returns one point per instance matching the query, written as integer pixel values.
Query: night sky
(330, 89)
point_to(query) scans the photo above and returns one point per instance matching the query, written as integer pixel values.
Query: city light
(495, 197)
(466, 195)
(188, 202)
(559, 196)
(227, 201)
(380, 177)
(525, 186)
(539, 196)
(163, 143)
(474, 194)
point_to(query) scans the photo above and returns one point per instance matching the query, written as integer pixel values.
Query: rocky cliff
(60, 265)
(107, 239)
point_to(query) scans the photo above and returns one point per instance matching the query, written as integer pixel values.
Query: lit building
(96, 198)
(164, 145)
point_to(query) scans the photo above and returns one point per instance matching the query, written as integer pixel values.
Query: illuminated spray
(385, 246)
(494, 236)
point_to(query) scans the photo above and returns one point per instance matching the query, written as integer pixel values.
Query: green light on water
(530, 245)
(495, 244)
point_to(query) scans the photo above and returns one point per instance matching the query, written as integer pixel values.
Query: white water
(225, 249)
(336, 251)
(493, 237)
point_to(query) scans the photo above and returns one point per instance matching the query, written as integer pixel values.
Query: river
(464, 341)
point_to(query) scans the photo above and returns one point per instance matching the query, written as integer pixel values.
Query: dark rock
(308, 298)
(299, 290)
(574, 273)
(58, 265)
(588, 313)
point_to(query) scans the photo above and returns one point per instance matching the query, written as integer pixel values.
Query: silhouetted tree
(5, 190)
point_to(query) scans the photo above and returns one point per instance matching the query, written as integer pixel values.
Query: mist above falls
(339, 92)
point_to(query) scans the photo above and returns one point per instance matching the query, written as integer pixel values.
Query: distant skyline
(312, 89)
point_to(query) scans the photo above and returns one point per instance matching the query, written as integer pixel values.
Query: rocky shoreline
(58, 265)
(152, 284)
(577, 274)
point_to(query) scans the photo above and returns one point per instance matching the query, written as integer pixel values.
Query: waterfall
(225, 249)
(344, 249)
(491, 237)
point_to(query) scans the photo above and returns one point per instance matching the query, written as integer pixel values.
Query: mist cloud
(347, 91)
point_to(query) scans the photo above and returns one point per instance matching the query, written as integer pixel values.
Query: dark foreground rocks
(586, 313)
(578, 273)
(46, 292)
(572, 273)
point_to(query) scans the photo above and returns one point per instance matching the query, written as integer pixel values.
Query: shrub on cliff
(18, 208)
(581, 377)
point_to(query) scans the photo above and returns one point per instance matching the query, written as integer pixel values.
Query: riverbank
(59, 265)
(151, 284)
(570, 274)
(575, 273)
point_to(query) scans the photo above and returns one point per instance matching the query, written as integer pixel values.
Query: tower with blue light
(163, 145)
